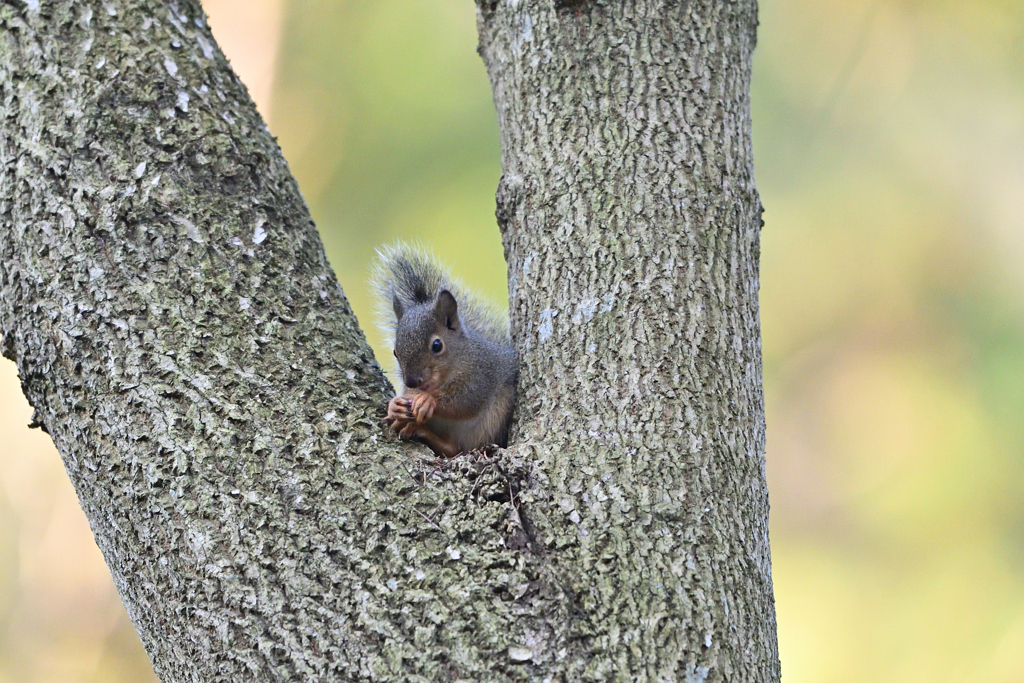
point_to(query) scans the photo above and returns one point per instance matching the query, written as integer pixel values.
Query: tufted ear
(397, 305)
(447, 310)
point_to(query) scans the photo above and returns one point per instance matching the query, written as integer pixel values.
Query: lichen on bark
(185, 343)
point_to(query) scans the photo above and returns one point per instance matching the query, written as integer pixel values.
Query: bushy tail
(414, 276)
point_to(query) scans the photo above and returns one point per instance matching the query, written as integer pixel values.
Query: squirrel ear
(447, 309)
(397, 305)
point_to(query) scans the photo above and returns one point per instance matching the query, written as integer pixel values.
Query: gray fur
(473, 376)
(412, 275)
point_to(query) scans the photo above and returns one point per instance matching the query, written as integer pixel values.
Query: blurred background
(889, 141)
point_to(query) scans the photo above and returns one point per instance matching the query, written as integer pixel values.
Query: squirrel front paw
(423, 407)
(399, 411)
(407, 415)
(417, 408)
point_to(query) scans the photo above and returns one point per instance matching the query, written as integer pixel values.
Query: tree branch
(182, 337)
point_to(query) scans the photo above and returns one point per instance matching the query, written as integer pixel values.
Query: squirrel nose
(413, 382)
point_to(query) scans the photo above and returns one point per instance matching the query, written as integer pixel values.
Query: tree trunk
(184, 341)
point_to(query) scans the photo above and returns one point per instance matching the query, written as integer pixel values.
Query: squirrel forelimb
(407, 415)
(418, 407)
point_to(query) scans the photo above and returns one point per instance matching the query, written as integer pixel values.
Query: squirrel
(456, 364)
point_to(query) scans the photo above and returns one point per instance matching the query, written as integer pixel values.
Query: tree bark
(184, 341)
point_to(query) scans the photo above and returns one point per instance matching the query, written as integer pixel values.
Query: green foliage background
(889, 143)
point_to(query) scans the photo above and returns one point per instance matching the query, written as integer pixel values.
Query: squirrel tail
(413, 275)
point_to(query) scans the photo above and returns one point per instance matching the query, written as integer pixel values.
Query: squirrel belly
(487, 427)
(456, 362)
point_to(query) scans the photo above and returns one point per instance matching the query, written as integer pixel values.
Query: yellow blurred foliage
(889, 140)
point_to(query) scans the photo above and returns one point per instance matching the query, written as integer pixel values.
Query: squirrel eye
(436, 346)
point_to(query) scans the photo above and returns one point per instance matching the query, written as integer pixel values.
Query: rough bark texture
(631, 225)
(184, 341)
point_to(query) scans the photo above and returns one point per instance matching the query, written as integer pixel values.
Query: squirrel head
(428, 341)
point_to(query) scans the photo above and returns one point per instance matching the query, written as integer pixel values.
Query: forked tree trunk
(184, 341)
